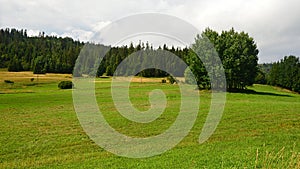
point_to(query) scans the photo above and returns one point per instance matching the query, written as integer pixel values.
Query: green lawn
(39, 129)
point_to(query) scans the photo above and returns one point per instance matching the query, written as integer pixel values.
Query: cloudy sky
(274, 24)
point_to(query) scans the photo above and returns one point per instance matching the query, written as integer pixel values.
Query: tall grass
(282, 159)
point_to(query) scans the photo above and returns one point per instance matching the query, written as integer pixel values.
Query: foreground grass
(39, 129)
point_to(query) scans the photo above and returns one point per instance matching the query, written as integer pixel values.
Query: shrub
(32, 79)
(171, 79)
(163, 81)
(65, 85)
(9, 81)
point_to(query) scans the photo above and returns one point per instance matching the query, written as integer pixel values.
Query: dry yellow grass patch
(27, 76)
(144, 79)
(21, 82)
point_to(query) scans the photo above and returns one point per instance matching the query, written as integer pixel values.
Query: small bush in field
(9, 81)
(65, 85)
(171, 79)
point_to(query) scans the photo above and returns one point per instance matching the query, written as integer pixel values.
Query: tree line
(284, 73)
(44, 54)
(49, 54)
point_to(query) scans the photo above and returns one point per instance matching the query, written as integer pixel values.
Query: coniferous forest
(286, 73)
(237, 50)
(42, 54)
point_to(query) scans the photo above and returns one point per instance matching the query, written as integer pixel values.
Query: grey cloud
(274, 24)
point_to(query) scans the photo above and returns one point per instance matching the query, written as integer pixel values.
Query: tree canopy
(18, 52)
(238, 53)
(286, 73)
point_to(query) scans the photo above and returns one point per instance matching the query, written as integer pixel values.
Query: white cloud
(78, 34)
(31, 32)
(99, 25)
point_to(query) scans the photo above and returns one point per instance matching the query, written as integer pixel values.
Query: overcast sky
(274, 24)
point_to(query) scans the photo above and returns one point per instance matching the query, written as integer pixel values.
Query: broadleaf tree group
(238, 53)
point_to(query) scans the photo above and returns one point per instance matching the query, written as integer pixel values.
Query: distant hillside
(18, 52)
(50, 54)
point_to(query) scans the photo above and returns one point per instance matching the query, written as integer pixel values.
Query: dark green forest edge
(237, 51)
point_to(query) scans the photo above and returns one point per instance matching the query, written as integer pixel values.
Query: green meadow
(39, 128)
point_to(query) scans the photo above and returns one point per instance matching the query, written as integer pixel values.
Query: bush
(65, 85)
(9, 81)
(171, 79)
(164, 81)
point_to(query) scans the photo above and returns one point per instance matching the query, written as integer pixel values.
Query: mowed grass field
(39, 127)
